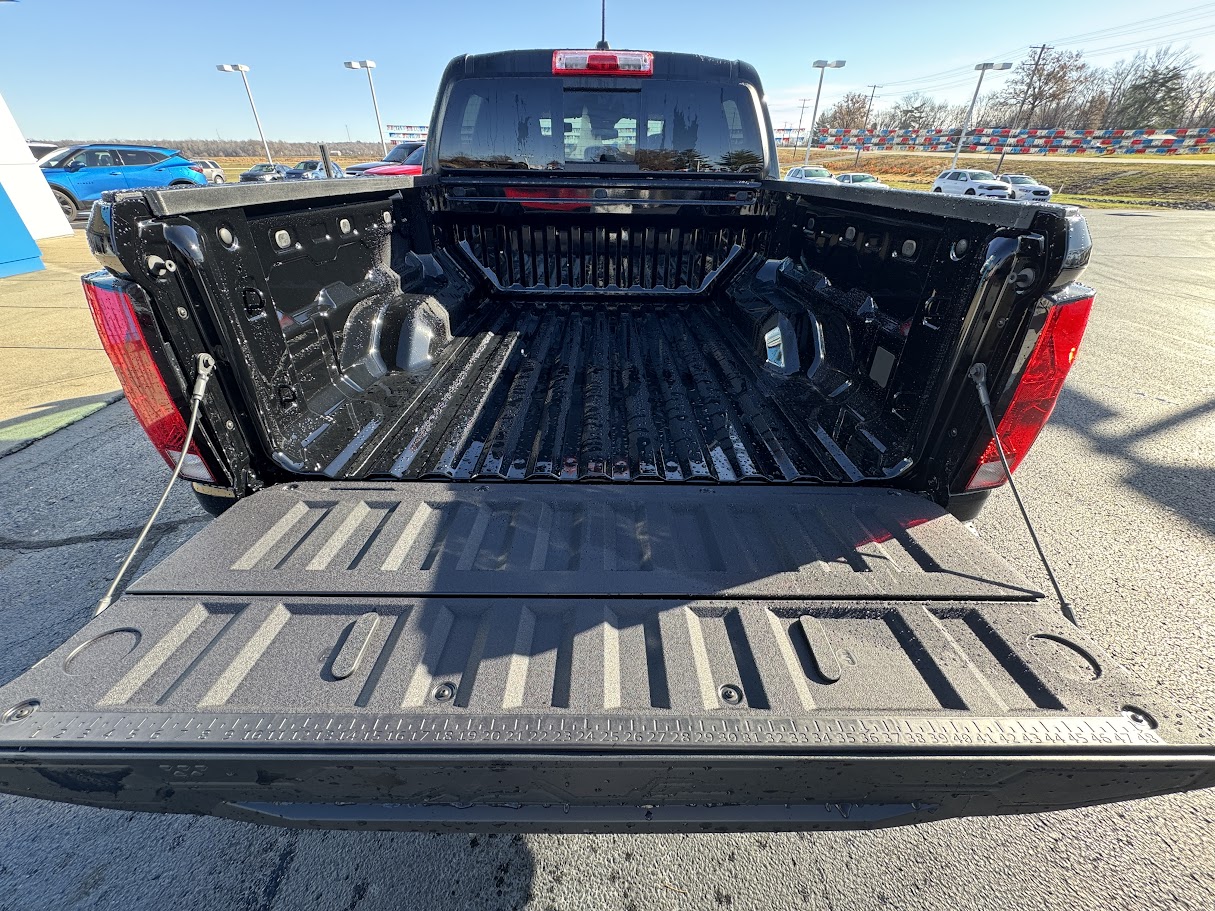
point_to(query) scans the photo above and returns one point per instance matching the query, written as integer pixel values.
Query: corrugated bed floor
(629, 394)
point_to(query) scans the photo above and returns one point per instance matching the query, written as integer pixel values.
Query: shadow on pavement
(17, 433)
(1182, 489)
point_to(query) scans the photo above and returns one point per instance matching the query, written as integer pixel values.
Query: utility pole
(865, 125)
(1029, 87)
(798, 136)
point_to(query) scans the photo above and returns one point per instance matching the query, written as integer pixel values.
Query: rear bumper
(594, 791)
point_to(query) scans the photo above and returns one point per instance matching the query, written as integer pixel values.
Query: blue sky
(145, 69)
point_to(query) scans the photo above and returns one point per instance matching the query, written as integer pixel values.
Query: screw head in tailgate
(731, 695)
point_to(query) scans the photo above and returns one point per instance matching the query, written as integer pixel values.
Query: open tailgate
(574, 658)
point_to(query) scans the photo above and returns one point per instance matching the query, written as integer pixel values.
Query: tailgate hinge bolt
(20, 711)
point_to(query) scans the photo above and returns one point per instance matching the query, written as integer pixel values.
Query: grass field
(234, 166)
(1109, 182)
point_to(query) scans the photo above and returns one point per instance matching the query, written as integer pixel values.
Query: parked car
(397, 155)
(312, 169)
(261, 173)
(1022, 186)
(810, 174)
(79, 174)
(212, 171)
(971, 183)
(412, 164)
(42, 149)
(868, 181)
(426, 609)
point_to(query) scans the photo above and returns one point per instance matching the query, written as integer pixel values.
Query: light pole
(369, 65)
(242, 69)
(982, 68)
(822, 66)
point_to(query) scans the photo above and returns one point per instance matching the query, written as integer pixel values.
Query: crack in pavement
(116, 534)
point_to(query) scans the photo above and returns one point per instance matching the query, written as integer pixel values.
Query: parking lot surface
(1121, 485)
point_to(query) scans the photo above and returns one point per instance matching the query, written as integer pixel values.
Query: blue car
(78, 175)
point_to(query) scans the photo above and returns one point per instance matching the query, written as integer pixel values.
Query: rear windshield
(541, 123)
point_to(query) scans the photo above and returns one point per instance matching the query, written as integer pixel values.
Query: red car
(411, 165)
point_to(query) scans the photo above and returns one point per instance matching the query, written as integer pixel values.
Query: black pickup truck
(597, 479)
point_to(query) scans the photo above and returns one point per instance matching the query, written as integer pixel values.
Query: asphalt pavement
(1121, 484)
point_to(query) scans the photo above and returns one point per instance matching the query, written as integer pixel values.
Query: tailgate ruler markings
(849, 733)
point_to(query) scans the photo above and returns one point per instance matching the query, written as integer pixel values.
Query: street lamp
(369, 65)
(242, 69)
(982, 68)
(822, 66)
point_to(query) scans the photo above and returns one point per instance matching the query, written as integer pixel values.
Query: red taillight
(541, 193)
(603, 63)
(1036, 393)
(127, 349)
(195, 167)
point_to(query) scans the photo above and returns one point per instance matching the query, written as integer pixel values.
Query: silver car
(212, 171)
(810, 174)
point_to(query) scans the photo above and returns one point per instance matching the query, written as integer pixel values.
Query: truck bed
(576, 393)
(560, 658)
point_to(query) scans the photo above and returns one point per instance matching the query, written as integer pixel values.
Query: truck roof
(539, 62)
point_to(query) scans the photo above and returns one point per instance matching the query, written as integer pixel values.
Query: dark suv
(399, 153)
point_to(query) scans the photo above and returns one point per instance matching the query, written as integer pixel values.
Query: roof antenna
(602, 45)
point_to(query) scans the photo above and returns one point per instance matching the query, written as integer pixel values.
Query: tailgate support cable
(978, 375)
(206, 366)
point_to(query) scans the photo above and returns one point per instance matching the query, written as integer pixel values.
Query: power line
(957, 76)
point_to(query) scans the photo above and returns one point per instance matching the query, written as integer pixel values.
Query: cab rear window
(545, 124)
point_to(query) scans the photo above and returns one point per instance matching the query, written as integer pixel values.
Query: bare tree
(1155, 91)
(1200, 99)
(846, 114)
(1041, 85)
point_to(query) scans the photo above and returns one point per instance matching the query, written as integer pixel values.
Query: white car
(810, 174)
(1022, 186)
(972, 183)
(861, 180)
